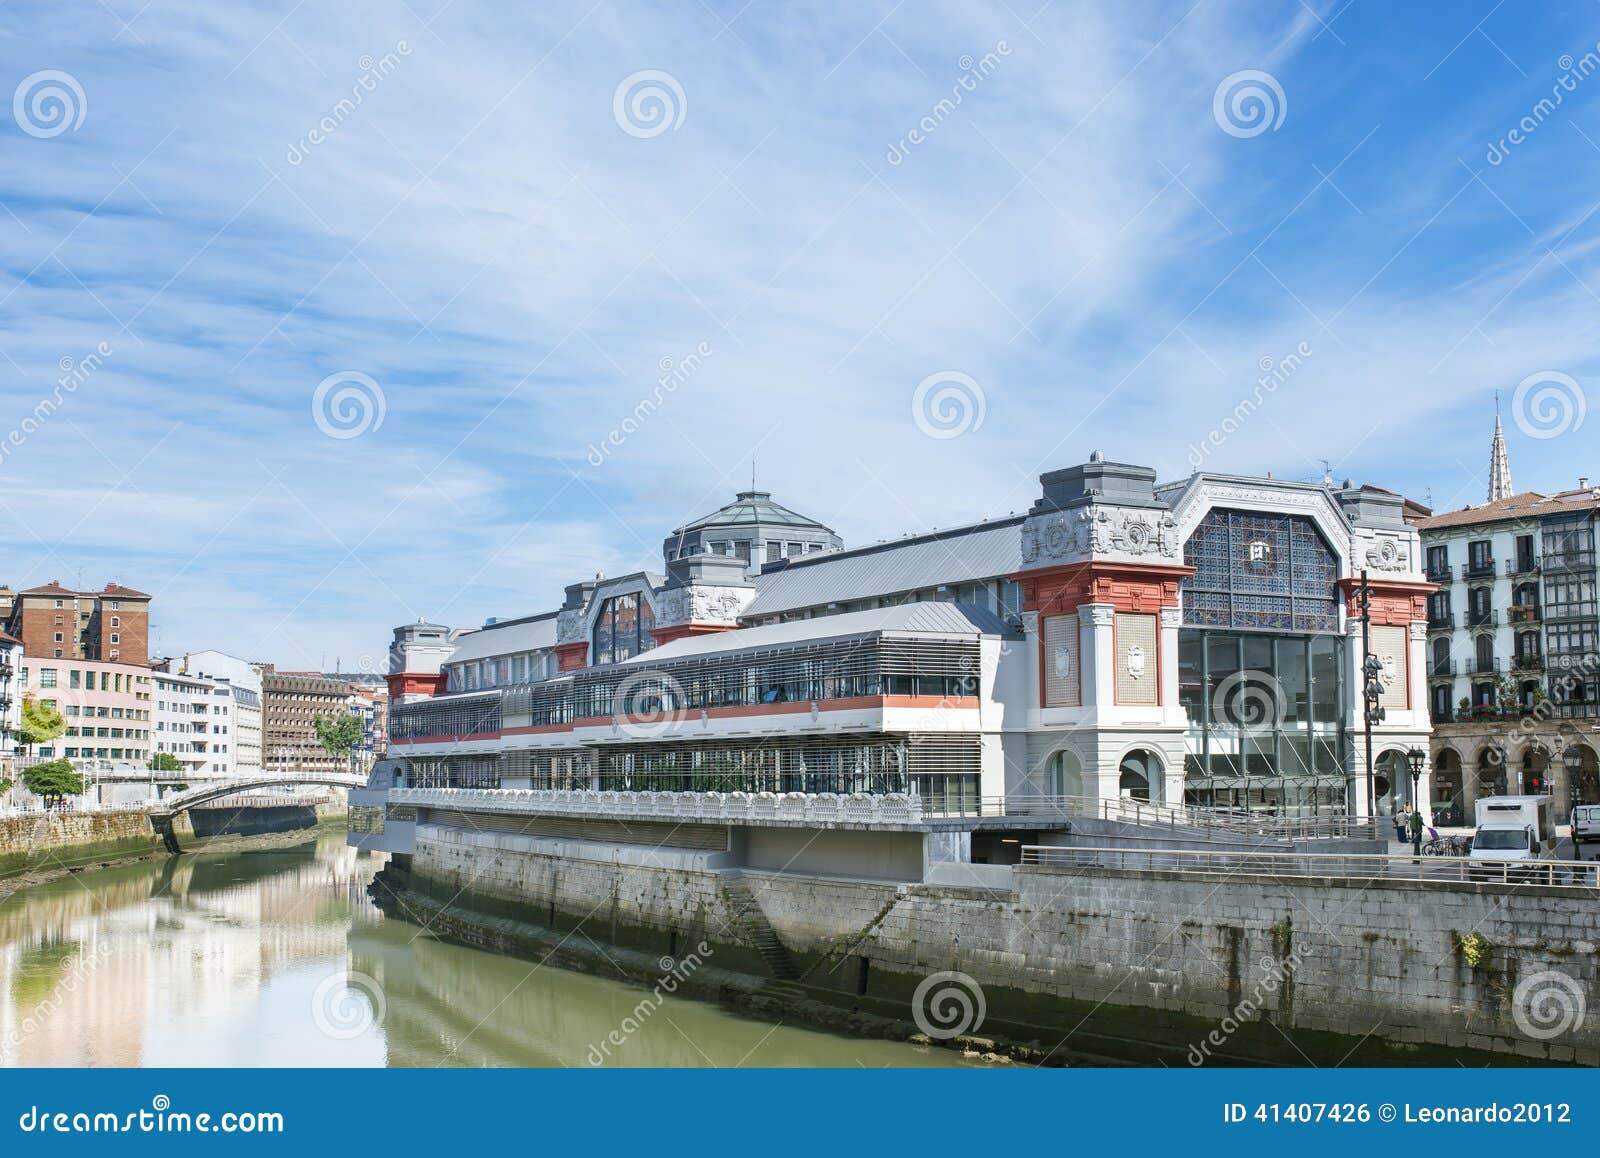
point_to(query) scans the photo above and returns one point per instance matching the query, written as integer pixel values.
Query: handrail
(1448, 869)
(1153, 814)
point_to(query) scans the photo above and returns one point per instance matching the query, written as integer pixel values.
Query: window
(115, 637)
(1480, 555)
(58, 639)
(796, 549)
(116, 605)
(1260, 571)
(58, 603)
(1438, 560)
(116, 621)
(47, 677)
(774, 551)
(1524, 552)
(1439, 607)
(624, 628)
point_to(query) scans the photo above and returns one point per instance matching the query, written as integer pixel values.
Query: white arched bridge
(162, 811)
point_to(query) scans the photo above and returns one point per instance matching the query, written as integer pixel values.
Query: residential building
(1514, 644)
(10, 702)
(108, 626)
(369, 702)
(193, 722)
(1191, 643)
(243, 681)
(291, 701)
(107, 707)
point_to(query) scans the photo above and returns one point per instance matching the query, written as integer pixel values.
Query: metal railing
(1445, 622)
(1522, 566)
(1125, 810)
(1479, 569)
(1321, 866)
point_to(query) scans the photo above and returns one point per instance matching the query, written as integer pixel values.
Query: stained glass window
(624, 628)
(1260, 571)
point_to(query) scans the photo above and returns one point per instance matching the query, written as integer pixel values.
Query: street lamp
(1573, 759)
(1416, 757)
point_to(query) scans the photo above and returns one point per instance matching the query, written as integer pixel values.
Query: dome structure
(752, 528)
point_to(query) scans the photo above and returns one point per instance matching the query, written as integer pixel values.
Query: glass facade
(1261, 667)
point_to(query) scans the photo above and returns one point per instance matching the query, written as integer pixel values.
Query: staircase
(748, 920)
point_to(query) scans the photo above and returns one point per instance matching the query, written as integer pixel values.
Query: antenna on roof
(1327, 472)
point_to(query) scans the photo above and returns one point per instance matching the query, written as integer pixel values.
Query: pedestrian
(1416, 832)
(1400, 826)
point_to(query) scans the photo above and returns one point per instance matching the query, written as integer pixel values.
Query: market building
(1194, 644)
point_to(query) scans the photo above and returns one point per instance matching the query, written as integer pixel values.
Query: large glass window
(1260, 571)
(624, 628)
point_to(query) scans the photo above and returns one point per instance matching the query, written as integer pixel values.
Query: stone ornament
(1099, 530)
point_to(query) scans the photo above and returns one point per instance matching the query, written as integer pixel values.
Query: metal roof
(515, 635)
(751, 508)
(962, 555)
(960, 619)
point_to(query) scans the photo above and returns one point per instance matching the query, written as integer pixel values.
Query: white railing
(855, 808)
(1448, 869)
(1170, 816)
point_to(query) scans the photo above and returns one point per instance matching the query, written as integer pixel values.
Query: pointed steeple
(1499, 464)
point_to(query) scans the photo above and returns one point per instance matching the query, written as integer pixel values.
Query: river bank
(39, 847)
(269, 952)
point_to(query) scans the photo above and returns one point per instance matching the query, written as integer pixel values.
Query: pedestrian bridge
(162, 811)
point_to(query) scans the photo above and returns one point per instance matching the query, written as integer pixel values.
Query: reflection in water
(277, 957)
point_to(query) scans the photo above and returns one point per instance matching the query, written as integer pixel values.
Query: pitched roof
(750, 508)
(959, 555)
(54, 587)
(530, 633)
(1528, 505)
(959, 619)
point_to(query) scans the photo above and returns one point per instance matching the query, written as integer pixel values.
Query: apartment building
(108, 626)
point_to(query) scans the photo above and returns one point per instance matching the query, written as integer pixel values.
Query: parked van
(1515, 828)
(1585, 823)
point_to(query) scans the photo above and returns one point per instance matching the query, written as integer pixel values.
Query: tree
(339, 735)
(52, 780)
(40, 723)
(165, 762)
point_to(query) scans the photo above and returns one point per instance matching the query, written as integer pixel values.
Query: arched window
(1140, 776)
(1256, 570)
(1066, 774)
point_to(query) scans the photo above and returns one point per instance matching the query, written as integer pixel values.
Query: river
(255, 956)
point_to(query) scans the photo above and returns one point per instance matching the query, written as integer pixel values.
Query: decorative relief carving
(570, 626)
(1073, 536)
(1388, 554)
(700, 603)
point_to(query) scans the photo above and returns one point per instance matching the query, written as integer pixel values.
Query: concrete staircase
(748, 920)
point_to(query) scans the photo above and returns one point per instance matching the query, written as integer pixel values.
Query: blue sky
(1090, 249)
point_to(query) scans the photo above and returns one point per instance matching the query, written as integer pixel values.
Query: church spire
(1499, 464)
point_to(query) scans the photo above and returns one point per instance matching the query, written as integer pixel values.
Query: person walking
(1400, 826)
(1416, 832)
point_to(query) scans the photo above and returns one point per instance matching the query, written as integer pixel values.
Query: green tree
(339, 735)
(40, 723)
(165, 762)
(52, 780)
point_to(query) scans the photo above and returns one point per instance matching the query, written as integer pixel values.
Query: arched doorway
(1449, 805)
(1491, 774)
(1391, 783)
(1065, 774)
(1141, 776)
(1583, 775)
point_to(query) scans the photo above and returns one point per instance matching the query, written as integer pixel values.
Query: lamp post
(1573, 759)
(1372, 690)
(1416, 757)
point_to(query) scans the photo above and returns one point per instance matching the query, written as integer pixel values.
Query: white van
(1514, 828)
(1585, 823)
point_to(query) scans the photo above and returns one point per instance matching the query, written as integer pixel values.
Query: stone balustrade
(772, 807)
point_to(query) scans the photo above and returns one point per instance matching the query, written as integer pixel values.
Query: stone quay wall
(1181, 968)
